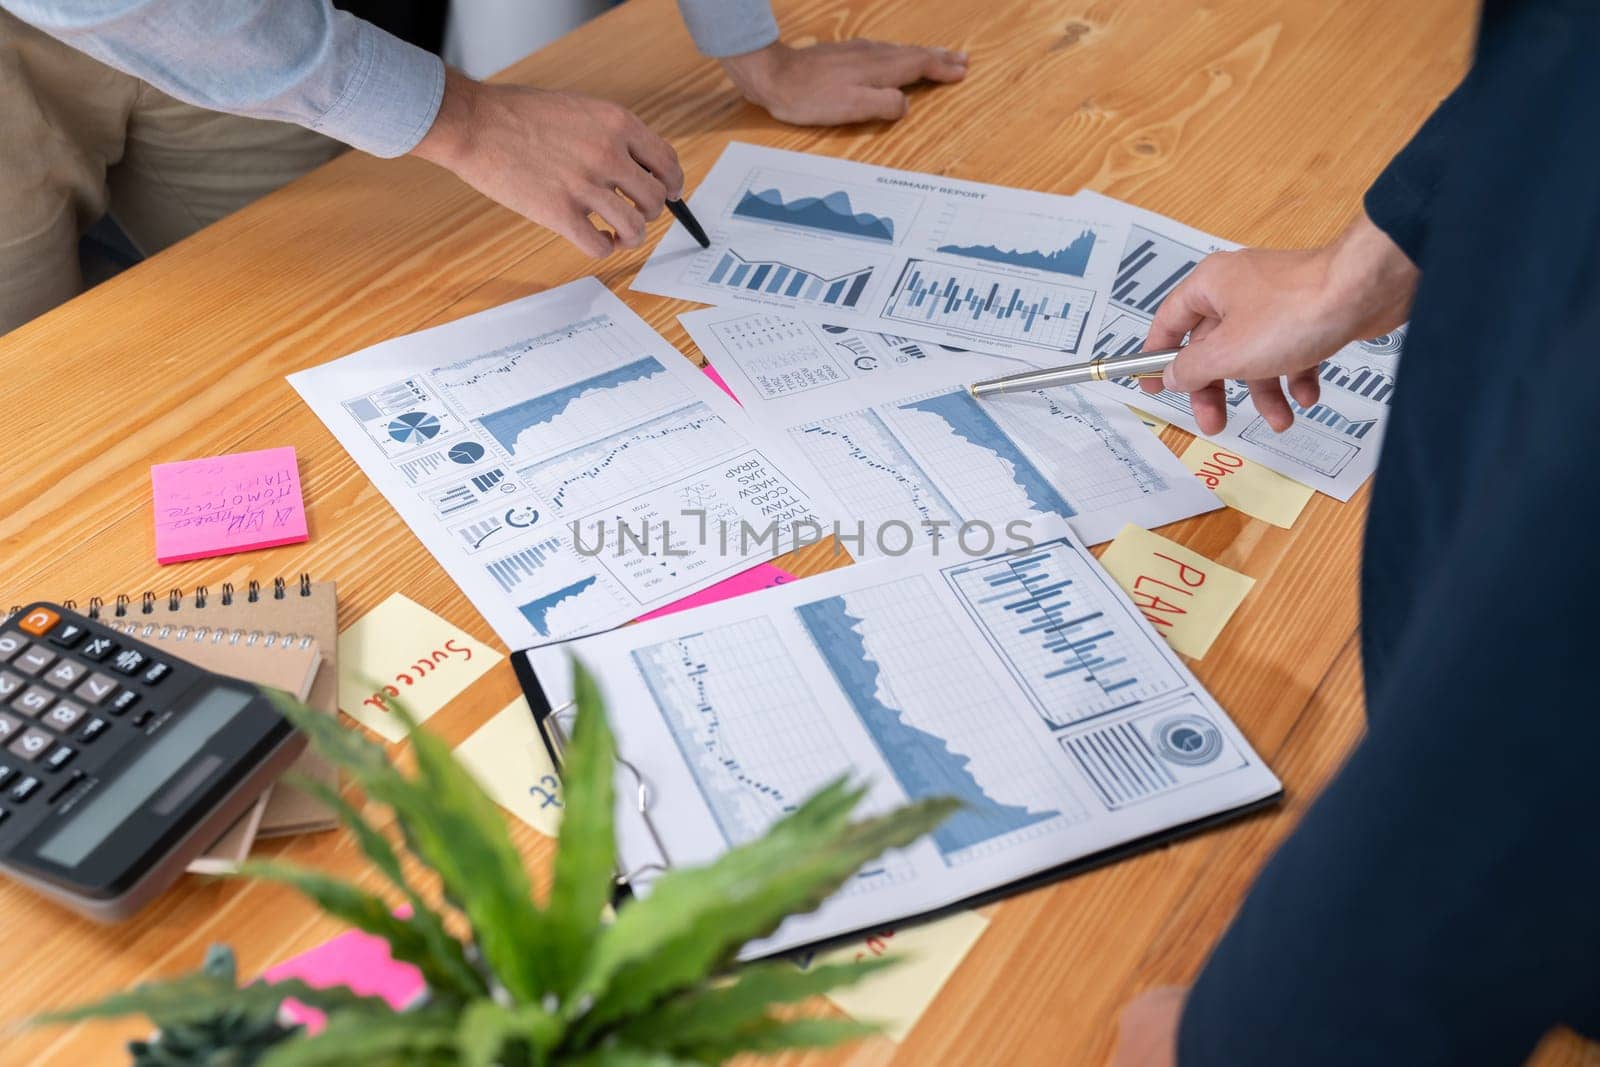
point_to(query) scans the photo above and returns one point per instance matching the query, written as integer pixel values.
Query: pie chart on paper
(414, 426)
(467, 452)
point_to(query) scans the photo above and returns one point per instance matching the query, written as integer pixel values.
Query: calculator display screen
(152, 769)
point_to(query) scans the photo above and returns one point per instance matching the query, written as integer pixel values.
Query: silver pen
(1134, 365)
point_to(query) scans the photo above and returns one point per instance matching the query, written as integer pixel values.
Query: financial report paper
(886, 424)
(519, 443)
(852, 244)
(1027, 685)
(1333, 445)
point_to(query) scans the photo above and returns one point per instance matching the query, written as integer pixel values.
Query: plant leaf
(453, 827)
(777, 1035)
(409, 941)
(695, 920)
(586, 859)
(457, 975)
(196, 997)
(462, 835)
(410, 1038)
(684, 1021)
(486, 1027)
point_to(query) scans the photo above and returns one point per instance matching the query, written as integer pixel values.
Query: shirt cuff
(392, 96)
(729, 27)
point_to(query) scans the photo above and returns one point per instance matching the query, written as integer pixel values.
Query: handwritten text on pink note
(223, 504)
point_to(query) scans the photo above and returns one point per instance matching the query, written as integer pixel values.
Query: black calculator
(119, 762)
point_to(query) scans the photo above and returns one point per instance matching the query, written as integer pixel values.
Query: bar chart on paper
(924, 698)
(985, 304)
(1067, 639)
(1151, 266)
(775, 278)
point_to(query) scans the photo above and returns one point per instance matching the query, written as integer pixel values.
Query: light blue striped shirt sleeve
(302, 61)
(729, 27)
(294, 60)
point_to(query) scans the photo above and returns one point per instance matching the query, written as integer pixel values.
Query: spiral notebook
(262, 634)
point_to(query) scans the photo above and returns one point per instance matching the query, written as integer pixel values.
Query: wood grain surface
(1260, 120)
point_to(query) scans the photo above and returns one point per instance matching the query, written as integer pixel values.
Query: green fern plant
(532, 985)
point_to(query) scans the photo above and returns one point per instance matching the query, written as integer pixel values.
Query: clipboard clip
(556, 736)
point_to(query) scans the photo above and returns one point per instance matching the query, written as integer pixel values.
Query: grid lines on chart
(1089, 459)
(746, 724)
(934, 680)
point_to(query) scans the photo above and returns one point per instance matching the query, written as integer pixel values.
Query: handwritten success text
(432, 661)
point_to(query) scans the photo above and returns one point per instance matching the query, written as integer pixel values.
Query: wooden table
(1261, 121)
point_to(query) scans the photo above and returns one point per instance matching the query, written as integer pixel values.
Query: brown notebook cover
(235, 627)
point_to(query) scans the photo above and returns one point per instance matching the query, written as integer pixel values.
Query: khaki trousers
(79, 139)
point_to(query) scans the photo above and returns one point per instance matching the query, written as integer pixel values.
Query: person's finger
(943, 65)
(1306, 386)
(1267, 395)
(1184, 309)
(894, 65)
(646, 191)
(1198, 365)
(575, 226)
(863, 102)
(1210, 407)
(623, 217)
(658, 157)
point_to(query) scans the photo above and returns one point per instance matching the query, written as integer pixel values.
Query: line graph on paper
(1089, 459)
(1067, 639)
(870, 471)
(544, 394)
(980, 465)
(930, 708)
(615, 466)
(745, 722)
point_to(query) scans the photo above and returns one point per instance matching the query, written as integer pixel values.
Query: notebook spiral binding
(123, 615)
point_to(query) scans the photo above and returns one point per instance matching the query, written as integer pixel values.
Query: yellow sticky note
(1156, 425)
(400, 652)
(1242, 483)
(1186, 597)
(512, 764)
(897, 996)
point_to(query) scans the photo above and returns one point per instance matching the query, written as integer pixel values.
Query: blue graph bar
(921, 762)
(983, 304)
(735, 272)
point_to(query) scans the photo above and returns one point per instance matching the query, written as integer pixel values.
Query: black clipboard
(547, 718)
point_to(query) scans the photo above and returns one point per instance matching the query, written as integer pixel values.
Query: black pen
(681, 212)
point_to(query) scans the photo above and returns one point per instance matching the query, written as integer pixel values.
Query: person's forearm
(291, 60)
(723, 28)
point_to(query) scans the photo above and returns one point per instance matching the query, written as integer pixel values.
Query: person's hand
(556, 158)
(1258, 314)
(1148, 1034)
(835, 83)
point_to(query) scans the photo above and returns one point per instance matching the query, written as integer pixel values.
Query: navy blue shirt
(1440, 902)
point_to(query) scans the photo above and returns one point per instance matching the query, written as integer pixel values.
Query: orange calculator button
(39, 622)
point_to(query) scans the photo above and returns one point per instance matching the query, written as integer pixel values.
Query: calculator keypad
(32, 744)
(34, 700)
(65, 675)
(65, 685)
(95, 688)
(34, 659)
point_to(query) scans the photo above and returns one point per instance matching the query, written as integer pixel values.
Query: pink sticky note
(355, 959)
(761, 576)
(223, 504)
(717, 380)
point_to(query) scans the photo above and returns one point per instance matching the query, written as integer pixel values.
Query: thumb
(1198, 365)
(865, 102)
